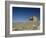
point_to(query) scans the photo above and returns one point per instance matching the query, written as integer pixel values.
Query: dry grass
(23, 26)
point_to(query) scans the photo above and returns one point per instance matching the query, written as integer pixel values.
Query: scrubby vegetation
(34, 25)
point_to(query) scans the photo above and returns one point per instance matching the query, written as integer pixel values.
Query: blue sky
(20, 13)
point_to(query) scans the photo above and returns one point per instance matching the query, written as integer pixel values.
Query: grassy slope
(23, 26)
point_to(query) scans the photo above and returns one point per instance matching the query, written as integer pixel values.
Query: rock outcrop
(32, 24)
